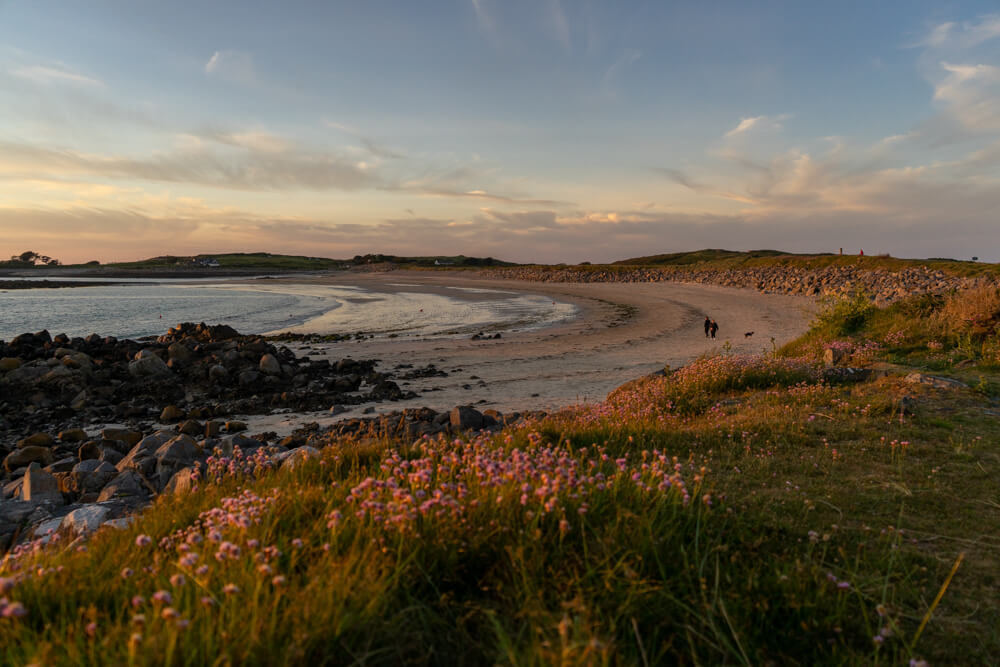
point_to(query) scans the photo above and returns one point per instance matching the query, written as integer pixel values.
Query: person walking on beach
(713, 328)
(708, 325)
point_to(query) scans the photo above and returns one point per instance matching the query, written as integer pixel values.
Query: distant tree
(30, 258)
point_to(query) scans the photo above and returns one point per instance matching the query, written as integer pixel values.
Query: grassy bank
(741, 510)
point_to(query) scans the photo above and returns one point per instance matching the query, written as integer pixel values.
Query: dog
(748, 334)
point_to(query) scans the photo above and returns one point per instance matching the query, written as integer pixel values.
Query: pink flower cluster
(449, 479)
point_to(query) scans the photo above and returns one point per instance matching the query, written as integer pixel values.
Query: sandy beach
(623, 331)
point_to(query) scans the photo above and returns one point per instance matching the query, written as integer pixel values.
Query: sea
(138, 308)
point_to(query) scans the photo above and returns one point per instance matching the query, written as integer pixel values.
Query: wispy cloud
(758, 123)
(371, 145)
(53, 74)
(235, 66)
(952, 35)
(560, 24)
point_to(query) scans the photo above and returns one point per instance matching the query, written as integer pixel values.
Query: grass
(737, 511)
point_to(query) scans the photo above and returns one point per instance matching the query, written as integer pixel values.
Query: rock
(127, 436)
(269, 365)
(235, 426)
(72, 435)
(178, 352)
(40, 487)
(191, 427)
(47, 528)
(171, 413)
(248, 377)
(833, 356)
(87, 519)
(295, 458)
(9, 364)
(183, 481)
(89, 450)
(337, 409)
(26, 455)
(213, 428)
(466, 417)
(934, 381)
(217, 373)
(62, 465)
(141, 456)
(149, 366)
(178, 453)
(36, 440)
(126, 484)
(88, 476)
(15, 511)
(120, 524)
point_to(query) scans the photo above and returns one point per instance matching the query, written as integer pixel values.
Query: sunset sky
(529, 130)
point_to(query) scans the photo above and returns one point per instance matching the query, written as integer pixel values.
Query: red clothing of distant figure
(862, 253)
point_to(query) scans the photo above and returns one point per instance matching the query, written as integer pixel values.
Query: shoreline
(622, 331)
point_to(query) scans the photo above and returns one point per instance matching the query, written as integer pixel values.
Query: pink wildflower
(178, 580)
(138, 601)
(126, 572)
(13, 610)
(143, 541)
(230, 589)
(162, 597)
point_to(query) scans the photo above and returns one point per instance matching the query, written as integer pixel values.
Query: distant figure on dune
(708, 325)
(713, 328)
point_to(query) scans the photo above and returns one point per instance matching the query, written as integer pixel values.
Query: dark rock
(466, 418)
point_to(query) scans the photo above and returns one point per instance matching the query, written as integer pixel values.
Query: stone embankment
(68, 484)
(883, 285)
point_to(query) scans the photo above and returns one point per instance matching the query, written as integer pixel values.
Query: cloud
(560, 24)
(235, 66)
(758, 123)
(971, 94)
(371, 145)
(47, 75)
(951, 35)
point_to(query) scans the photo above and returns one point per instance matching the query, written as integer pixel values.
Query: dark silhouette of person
(708, 325)
(713, 328)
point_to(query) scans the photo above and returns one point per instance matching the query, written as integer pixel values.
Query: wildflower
(139, 620)
(126, 572)
(202, 571)
(169, 613)
(278, 581)
(188, 560)
(182, 623)
(265, 569)
(6, 585)
(13, 610)
(162, 597)
(178, 580)
(230, 589)
(91, 629)
(143, 541)
(844, 585)
(138, 601)
(297, 543)
(207, 601)
(135, 639)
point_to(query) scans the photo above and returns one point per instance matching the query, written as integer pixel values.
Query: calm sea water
(149, 308)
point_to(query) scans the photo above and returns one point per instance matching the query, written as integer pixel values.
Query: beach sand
(623, 331)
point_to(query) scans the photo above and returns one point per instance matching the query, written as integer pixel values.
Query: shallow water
(145, 308)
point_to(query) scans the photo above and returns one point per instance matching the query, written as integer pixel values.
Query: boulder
(833, 356)
(217, 373)
(466, 417)
(269, 365)
(191, 427)
(178, 453)
(183, 481)
(26, 455)
(88, 476)
(295, 458)
(129, 437)
(72, 435)
(171, 413)
(36, 440)
(15, 511)
(178, 352)
(9, 364)
(87, 519)
(40, 487)
(126, 484)
(934, 381)
(148, 366)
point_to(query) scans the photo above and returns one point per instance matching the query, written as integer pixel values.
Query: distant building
(443, 262)
(207, 262)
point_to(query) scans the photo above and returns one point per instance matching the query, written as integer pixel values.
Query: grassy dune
(741, 510)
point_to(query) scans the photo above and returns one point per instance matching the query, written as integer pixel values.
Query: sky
(528, 130)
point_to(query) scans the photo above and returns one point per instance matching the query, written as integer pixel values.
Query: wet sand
(623, 331)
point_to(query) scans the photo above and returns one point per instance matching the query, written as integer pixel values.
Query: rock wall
(883, 285)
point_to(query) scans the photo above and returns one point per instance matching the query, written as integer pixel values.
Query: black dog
(748, 334)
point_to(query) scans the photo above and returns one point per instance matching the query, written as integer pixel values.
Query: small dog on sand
(748, 334)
